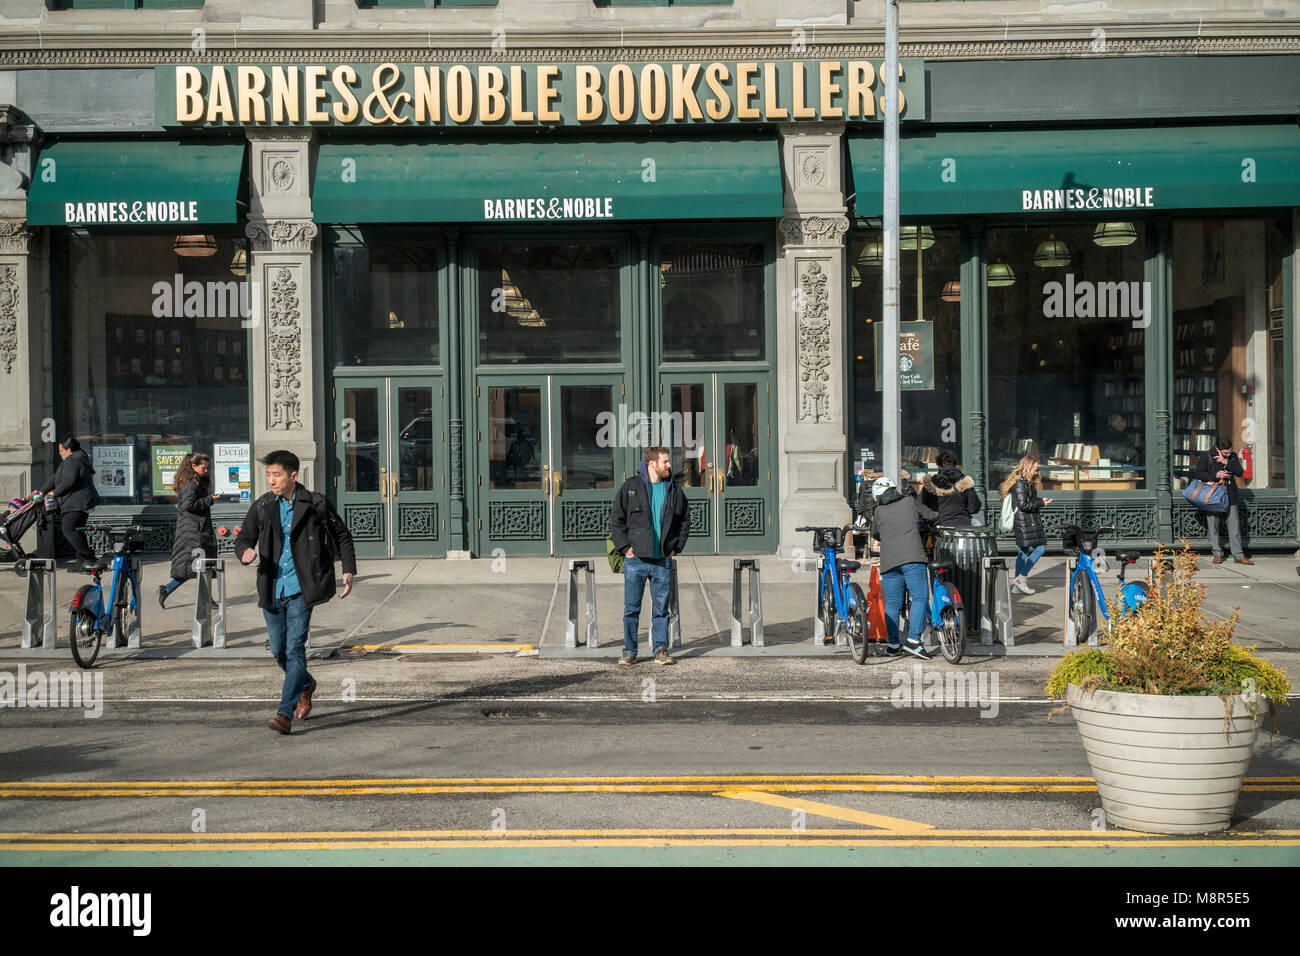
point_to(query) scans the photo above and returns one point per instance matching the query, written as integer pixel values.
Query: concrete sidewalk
(519, 604)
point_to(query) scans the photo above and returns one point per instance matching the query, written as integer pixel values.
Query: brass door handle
(722, 482)
(709, 469)
(394, 486)
(555, 483)
(383, 484)
(546, 482)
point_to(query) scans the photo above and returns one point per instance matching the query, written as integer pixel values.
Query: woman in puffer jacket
(194, 534)
(951, 493)
(1023, 484)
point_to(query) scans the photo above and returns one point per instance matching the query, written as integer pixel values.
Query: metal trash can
(967, 548)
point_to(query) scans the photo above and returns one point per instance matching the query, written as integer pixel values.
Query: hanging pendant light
(239, 264)
(951, 291)
(1052, 253)
(855, 277)
(1114, 234)
(872, 254)
(195, 246)
(907, 237)
(1000, 274)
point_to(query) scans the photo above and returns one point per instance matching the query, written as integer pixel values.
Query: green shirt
(658, 495)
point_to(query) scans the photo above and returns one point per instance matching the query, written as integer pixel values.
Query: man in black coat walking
(288, 531)
(650, 524)
(73, 488)
(1222, 464)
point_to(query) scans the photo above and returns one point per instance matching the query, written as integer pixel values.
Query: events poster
(166, 460)
(232, 470)
(114, 470)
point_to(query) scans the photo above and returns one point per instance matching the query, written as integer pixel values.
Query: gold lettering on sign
(460, 94)
(746, 90)
(189, 94)
(428, 94)
(315, 76)
(828, 69)
(715, 75)
(219, 108)
(591, 106)
(684, 101)
(284, 94)
(771, 108)
(799, 110)
(250, 85)
(546, 92)
(347, 109)
(861, 78)
(902, 101)
(654, 92)
(519, 97)
(491, 94)
(622, 93)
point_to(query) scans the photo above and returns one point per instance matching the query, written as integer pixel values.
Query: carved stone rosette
(813, 346)
(282, 235)
(10, 299)
(284, 351)
(16, 238)
(814, 230)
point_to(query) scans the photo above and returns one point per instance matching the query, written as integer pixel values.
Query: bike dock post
(40, 626)
(131, 640)
(674, 607)
(1169, 566)
(1071, 637)
(996, 615)
(571, 623)
(755, 603)
(209, 628)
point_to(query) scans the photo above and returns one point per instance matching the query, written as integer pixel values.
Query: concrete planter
(1165, 764)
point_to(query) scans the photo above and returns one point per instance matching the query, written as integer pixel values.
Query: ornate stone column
(25, 370)
(810, 286)
(287, 321)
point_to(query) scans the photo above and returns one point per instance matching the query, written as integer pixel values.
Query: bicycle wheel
(1083, 607)
(85, 637)
(952, 633)
(828, 608)
(856, 626)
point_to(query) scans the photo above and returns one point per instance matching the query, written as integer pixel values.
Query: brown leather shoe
(280, 722)
(304, 703)
(1243, 561)
(1218, 559)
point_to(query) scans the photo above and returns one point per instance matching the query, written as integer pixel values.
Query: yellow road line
(592, 788)
(713, 778)
(893, 824)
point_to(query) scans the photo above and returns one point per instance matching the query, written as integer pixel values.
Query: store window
(385, 304)
(1228, 346)
(1067, 309)
(713, 301)
(153, 359)
(554, 303)
(930, 346)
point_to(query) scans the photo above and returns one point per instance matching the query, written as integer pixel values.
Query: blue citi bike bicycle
(840, 601)
(93, 617)
(946, 615)
(1084, 595)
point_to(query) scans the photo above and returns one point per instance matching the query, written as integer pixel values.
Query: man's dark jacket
(73, 484)
(629, 518)
(1207, 469)
(314, 522)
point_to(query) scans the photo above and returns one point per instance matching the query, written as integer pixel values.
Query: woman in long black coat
(193, 521)
(1023, 484)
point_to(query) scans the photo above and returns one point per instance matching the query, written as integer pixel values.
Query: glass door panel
(514, 468)
(691, 446)
(418, 470)
(745, 497)
(590, 462)
(362, 461)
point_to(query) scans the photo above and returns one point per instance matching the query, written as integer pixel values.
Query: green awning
(551, 180)
(136, 183)
(1082, 170)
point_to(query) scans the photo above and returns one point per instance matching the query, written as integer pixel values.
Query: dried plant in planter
(1168, 645)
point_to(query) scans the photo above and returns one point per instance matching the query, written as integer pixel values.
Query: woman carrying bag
(193, 521)
(1023, 484)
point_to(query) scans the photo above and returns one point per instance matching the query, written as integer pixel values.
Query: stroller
(13, 526)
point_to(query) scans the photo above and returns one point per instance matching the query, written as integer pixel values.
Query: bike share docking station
(996, 611)
(132, 618)
(40, 627)
(209, 627)
(588, 569)
(1073, 634)
(755, 603)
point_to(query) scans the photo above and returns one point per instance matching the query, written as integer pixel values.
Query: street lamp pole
(892, 422)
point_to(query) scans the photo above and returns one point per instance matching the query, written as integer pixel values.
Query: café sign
(529, 95)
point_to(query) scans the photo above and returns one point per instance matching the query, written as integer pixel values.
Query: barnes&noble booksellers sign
(560, 94)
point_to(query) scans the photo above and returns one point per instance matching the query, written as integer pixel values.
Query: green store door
(390, 480)
(549, 461)
(722, 455)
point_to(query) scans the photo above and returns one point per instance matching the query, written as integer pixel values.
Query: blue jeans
(173, 584)
(635, 573)
(1025, 560)
(910, 579)
(287, 626)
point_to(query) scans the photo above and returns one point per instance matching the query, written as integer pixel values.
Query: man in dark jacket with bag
(895, 523)
(288, 531)
(650, 524)
(73, 489)
(1222, 464)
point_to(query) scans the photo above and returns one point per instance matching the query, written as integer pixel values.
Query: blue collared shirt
(286, 575)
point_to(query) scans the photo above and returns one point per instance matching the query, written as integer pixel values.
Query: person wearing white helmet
(895, 523)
